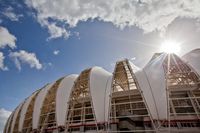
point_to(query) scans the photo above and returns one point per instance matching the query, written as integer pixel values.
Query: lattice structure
(27, 125)
(81, 115)
(128, 107)
(6, 125)
(47, 115)
(98, 101)
(10, 123)
(183, 88)
(16, 125)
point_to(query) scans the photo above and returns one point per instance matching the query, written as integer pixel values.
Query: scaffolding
(47, 116)
(8, 123)
(27, 125)
(128, 111)
(13, 120)
(81, 115)
(16, 124)
(183, 94)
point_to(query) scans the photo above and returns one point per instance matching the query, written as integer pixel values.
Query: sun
(170, 46)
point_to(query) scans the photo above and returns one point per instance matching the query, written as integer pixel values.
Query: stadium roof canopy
(151, 80)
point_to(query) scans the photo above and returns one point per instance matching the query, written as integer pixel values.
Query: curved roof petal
(193, 58)
(15, 117)
(38, 105)
(9, 121)
(100, 88)
(62, 97)
(23, 111)
(144, 86)
(156, 78)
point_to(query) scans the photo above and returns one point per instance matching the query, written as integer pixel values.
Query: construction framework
(27, 124)
(81, 115)
(128, 107)
(183, 92)
(128, 100)
(47, 115)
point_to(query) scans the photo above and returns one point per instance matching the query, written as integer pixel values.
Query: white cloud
(50, 64)
(4, 114)
(56, 31)
(56, 52)
(9, 13)
(149, 15)
(2, 66)
(25, 57)
(133, 58)
(6, 38)
(46, 65)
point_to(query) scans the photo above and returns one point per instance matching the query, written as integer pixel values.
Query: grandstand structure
(164, 96)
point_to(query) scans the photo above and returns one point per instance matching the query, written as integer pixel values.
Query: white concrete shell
(9, 121)
(193, 59)
(151, 82)
(144, 86)
(23, 111)
(15, 117)
(100, 88)
(62, 98)
(155, 76)
(38, 105)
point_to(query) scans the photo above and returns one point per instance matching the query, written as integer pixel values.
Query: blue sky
(50, 42)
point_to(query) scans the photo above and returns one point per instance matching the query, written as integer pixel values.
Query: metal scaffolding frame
(183, 93)
(27, 125)
(128, 109)
(47, 114)
(80, 115)
(127, 101)
(16, 124)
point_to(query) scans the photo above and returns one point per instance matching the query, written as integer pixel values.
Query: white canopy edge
(193, 59)
(15, 117)
(24, 110)
(38, 105)
(100, 88)
(9, 122)
(107, 98)
(62, 98)
(155, 76)
(145, 88)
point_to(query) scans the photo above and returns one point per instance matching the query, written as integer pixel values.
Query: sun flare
(170, 46)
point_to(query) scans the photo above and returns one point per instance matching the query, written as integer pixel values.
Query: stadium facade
(164, 96)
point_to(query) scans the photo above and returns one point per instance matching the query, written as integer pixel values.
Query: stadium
(164, 96)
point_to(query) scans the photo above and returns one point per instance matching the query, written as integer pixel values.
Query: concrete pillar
(113, 127)
(82, 129)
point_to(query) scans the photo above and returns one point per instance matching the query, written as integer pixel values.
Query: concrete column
(113, 127)
(82, 129)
